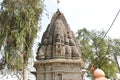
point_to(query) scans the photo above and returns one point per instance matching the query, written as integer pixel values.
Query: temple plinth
(58, 56)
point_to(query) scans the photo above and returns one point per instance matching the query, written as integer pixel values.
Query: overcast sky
(91, 14)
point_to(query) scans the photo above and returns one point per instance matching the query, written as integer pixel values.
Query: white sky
(91, 14)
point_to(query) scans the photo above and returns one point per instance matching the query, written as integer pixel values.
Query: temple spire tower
(58, 41)
(58, 56)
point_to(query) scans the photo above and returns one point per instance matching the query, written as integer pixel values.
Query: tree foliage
(97, 51)
(18, 28)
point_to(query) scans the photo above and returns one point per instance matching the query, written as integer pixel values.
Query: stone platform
(58, 69)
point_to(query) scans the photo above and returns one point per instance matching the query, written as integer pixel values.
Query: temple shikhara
(58, 56)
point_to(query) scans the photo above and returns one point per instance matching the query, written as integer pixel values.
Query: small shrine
(58, 56)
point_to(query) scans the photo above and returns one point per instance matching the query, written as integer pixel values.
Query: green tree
(115, 43)
(97, 51)
(18, 28)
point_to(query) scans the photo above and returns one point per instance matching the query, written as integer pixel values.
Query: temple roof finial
(58, 4)
(58, 12)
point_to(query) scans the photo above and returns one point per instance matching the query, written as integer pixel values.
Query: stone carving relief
(41, 53)
(48, 52)
(58, 41)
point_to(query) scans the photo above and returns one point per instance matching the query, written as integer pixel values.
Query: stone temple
(58, 56)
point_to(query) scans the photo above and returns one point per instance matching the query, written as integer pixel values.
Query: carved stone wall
(58, 69)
